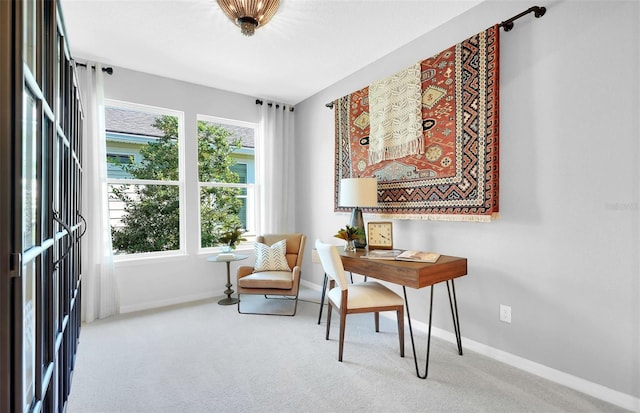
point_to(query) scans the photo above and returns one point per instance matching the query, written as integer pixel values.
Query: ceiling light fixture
(249, 14)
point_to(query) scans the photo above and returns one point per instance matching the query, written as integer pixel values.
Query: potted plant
(350, 235)
(229, 238)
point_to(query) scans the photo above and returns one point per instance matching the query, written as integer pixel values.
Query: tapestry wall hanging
(452, 172)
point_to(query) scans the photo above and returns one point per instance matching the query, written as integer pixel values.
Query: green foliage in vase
(349, 233)
(231, 236)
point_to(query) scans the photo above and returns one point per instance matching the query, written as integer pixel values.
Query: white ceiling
(306, 47)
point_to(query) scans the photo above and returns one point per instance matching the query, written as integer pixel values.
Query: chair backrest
(331, 263)
(295, 246)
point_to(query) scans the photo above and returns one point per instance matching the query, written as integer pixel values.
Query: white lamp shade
(359, 192)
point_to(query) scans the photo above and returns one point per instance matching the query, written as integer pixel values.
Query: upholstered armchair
(276, 272)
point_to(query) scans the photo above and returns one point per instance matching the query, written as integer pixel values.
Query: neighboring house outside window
(127, 131)
(123, 149)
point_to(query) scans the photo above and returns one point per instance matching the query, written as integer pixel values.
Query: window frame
(180, 183)
(251, 188)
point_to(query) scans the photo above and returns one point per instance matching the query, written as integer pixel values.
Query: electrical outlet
(505, 313)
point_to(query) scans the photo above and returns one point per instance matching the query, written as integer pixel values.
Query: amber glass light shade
(249, 14)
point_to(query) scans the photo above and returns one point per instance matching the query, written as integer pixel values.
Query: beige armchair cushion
(282, 280)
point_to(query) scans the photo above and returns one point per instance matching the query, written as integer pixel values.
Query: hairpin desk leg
(453, 303)
(456, 325)
(413, 345)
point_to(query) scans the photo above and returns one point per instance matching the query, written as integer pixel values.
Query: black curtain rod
(107, 70)
(536, 10)
(259, 102)
(507, 25)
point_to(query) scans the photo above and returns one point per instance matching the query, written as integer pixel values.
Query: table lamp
(356, 193)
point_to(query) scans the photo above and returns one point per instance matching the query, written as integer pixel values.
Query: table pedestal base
(227, 259)
(228, 301)
(228, 291)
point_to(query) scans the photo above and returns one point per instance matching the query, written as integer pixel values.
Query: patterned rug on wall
(455, 175)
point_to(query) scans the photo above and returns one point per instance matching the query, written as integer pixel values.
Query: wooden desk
(414, 275)
(405, 273)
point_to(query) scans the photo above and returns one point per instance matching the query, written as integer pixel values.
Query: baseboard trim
(309, 284)
(598, 391)
(150, 305)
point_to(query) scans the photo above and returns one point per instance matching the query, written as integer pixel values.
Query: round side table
(236, 257)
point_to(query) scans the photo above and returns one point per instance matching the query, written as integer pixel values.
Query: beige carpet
(203, 357)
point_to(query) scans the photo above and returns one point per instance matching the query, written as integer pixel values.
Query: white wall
(564, 254)
(152, 283)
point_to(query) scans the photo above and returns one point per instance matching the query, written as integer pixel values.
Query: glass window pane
(29, 172)
(29, 333)
(46, 193)
(141, 145)
(30, 28)
(144, 218)
(220, 148)
(220, 211)
(58, 75)
(241, 170)
(56, 316)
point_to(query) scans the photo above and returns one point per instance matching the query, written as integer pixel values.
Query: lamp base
(358, 222)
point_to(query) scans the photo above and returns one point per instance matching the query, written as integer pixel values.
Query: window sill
(143, 259)
(243, 249)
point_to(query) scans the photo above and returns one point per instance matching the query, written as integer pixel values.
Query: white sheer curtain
(275, 166)
(99, 290)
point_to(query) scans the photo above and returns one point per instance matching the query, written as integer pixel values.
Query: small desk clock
(380, 235)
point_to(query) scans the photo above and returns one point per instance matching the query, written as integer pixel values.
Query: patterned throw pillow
(271, 258)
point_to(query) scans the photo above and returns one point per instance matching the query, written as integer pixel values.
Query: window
(147, 207)
(116, 164)
(226, 177)
(144, 177)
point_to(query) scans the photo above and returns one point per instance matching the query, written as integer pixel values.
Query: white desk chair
(360, 297)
